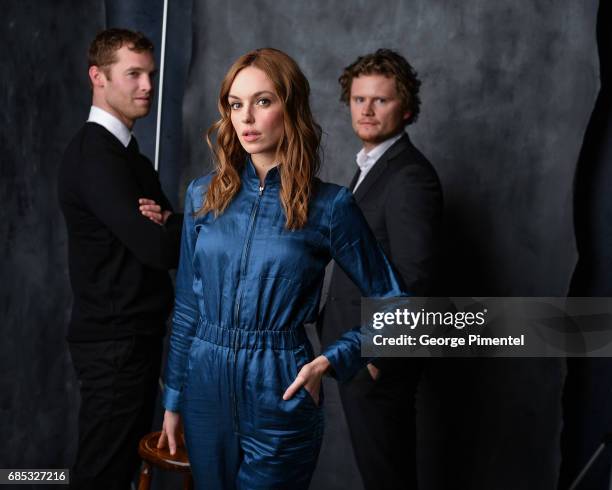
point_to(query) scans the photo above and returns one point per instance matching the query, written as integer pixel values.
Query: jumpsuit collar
(250, 177)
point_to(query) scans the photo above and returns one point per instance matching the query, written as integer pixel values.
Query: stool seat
(161, 458)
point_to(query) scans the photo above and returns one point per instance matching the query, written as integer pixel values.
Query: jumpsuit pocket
(300, 357)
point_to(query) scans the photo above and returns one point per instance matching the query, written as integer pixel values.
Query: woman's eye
(235, 106)
(264, 102)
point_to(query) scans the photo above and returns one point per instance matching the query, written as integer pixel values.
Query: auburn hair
(298, 148)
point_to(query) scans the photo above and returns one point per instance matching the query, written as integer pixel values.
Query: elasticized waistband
(240, 338)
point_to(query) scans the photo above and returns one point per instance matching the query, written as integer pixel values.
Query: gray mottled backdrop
(44, 97)
(507, 91)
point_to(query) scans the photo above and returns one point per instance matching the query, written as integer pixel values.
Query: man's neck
(368, 146)
(100, 103)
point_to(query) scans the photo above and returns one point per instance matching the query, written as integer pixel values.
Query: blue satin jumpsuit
(245, 287)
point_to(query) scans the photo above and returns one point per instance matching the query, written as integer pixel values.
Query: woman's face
(257, 114)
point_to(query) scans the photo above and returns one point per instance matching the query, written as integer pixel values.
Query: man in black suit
(121, 243)
(399, 193)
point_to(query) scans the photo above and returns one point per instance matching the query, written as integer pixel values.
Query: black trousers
(381, 417)
(118, 385)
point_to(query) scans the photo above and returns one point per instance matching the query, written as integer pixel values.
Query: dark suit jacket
(401, 199)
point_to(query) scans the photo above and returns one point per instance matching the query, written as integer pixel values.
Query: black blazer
(401, 199)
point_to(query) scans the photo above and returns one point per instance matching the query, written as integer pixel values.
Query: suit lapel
(379, 167)
(354, 180)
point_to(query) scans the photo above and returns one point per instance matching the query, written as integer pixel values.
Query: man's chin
(369, 139)
(141, 112)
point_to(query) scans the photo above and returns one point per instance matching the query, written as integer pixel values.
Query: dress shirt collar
(365, 161)
(111, 123)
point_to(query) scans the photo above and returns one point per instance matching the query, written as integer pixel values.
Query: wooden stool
(161, 458)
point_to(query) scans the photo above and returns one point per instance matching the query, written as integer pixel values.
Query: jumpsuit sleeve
(186, 314)
(355, 249)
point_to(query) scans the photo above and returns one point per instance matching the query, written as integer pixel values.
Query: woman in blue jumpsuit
(240, 369)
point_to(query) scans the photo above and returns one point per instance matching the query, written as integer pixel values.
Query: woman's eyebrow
(256, 94)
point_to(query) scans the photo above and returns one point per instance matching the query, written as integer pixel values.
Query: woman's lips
(250, 135)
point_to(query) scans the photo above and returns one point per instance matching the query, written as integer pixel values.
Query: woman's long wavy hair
(297, 151)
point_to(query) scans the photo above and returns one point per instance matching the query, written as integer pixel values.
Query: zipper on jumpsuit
(243, 265)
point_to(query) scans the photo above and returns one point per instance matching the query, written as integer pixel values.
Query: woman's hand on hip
(310, 378)
(171, 431)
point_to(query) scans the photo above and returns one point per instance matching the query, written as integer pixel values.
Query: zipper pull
(261, 189)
